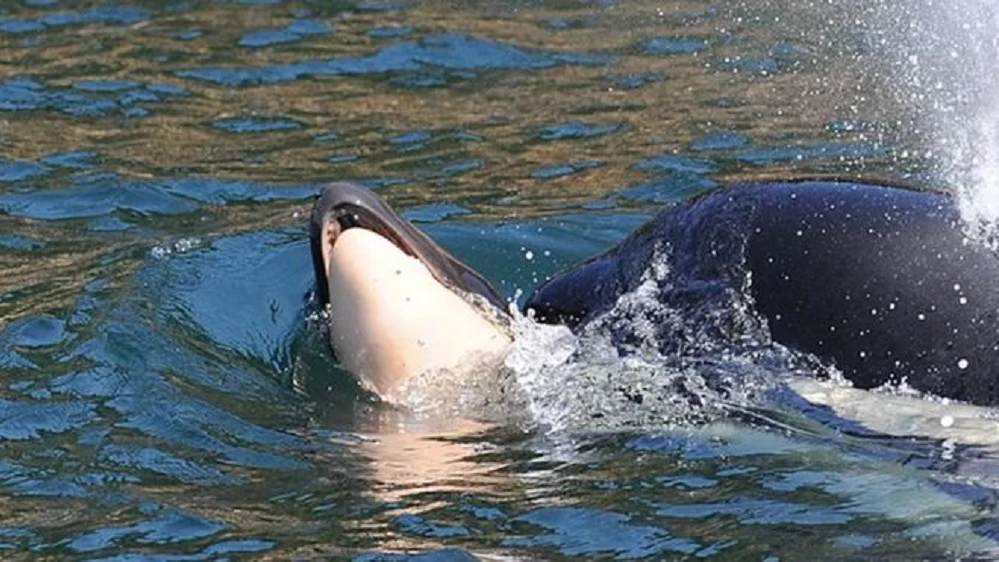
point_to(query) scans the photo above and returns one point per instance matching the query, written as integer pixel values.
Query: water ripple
(256, 124)
(434, 213)
(442, 555)
(667, 188)
(21, 243)
(720, 140)
(571, 533)
(106, 15)
(74, 160)
(449, 51)
(33, 482)
(27, 420)
(673, 46)
(37, 331)
(172, 526)
(390, 32)
(101, 197)
(97, 97)
(295, 31)
(579, 130)
(759, 512)
(676, 163)
(562, 170)
(19, 171)
(159, 462)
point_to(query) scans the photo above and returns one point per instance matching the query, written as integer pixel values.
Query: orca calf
(399, 304)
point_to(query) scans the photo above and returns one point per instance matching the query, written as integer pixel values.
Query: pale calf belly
(391, 319)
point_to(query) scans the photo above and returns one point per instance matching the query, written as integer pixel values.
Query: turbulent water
(165, 389)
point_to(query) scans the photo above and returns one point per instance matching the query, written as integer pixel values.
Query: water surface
(165, 395)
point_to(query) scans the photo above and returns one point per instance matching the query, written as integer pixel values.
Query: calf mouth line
(343, 206)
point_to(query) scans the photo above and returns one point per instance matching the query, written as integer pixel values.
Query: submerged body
(880, 282)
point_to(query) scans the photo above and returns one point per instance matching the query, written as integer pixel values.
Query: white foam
(901, 412)
(612, 374)
(181, 246)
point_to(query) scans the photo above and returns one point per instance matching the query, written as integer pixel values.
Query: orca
(883, 283)
(399, 305)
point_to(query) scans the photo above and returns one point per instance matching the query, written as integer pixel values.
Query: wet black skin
(868, 278)
(353, 206)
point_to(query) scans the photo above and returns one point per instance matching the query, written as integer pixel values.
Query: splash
(944, 59)
(956, 54)
(921, 74)
(979, 183)
(479, 390)
(538, 355)
(661, 357)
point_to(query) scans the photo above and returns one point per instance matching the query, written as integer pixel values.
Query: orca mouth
(342, 206)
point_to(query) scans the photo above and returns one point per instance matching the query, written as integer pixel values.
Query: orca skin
(880, 282)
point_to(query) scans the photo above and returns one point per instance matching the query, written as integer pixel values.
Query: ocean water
(165, 389)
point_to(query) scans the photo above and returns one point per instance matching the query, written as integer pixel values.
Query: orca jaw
(342, 206)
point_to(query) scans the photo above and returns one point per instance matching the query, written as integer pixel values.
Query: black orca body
(881, 282)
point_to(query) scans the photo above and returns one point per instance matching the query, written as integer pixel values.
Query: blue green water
(164, 396)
